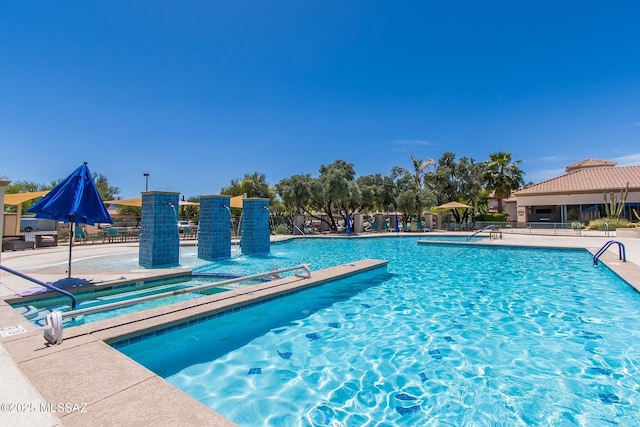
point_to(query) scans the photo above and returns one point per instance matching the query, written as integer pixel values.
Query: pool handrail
(622, 255)
(74, 301)
(118, 304)
(295, 227)
(491, 227)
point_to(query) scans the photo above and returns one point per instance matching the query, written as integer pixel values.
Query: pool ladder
(296, 228)
(621, 251)
(493, 230)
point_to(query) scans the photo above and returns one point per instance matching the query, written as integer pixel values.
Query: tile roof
(587, 180)
(590, 163)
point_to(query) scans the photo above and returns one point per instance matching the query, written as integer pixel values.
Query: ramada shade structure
(453, 205)
(19, 198)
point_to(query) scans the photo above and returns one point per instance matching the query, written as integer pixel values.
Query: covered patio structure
(578, 195)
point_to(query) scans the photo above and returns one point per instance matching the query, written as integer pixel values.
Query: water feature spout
(174, 212)
(271, 223)
(237, 233)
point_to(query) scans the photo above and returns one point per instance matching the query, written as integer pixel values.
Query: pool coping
(125, 390)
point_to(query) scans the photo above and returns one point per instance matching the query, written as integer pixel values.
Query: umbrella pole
(70, 246)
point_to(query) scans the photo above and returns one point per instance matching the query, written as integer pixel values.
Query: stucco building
(578, 195)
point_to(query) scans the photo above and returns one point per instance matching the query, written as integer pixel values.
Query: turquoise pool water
(447, 335)
(188, 258)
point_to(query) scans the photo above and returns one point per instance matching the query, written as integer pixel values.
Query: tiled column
(214, 228)
(159, 238)
(255, 235)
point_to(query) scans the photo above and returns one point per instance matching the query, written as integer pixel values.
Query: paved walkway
(20, 401)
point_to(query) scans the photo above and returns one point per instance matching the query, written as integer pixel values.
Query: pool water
(447, 335)
(238, 263)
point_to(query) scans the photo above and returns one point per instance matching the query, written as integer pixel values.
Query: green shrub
(281, 230)
(598, 224)
(492, 217)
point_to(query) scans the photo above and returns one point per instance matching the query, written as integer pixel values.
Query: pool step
(28, 311)
(138, 293)
(39, 319)
(37, 315)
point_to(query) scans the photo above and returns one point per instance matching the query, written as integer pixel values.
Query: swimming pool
(452, 335)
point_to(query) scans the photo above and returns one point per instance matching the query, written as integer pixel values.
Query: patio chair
(421, 226)
(112, 235)
(79, 235)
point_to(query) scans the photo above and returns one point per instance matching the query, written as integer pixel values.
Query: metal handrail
(118, 304)
(622, 255)
(74, 301)
(491, 227)
(298, 228)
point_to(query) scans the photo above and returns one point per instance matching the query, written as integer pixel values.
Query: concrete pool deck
(36, 375)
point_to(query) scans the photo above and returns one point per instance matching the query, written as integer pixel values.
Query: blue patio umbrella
(75, 201)
(397, 228)
(348, 224)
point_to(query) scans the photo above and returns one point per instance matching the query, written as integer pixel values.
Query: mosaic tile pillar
(255, 235)
(159, 238)
(214, 228)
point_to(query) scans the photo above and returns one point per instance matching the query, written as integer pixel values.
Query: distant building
(578, 195)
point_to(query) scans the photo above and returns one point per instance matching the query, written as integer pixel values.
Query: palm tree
(419, 168)
(502, 176)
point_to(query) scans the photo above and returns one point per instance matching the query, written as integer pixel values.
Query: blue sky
(198, 93)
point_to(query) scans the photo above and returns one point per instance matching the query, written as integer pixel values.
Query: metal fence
(541, 228)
